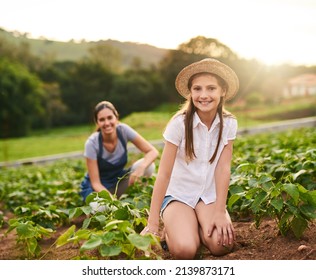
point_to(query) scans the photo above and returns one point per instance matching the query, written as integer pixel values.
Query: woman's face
(107, 121)
(206, 93)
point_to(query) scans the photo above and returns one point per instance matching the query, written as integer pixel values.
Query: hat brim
(208, 65)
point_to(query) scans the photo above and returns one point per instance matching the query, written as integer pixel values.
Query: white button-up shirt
(195, 180)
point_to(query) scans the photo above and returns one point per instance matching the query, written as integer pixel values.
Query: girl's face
(206, 93)
(106, 121)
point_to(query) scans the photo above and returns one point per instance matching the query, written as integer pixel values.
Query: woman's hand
(150, 154)
(137, 173)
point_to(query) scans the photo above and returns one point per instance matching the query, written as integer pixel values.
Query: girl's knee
(218, 249)
(221, 250)
(183, 250)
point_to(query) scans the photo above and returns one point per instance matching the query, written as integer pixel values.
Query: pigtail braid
(220, 113)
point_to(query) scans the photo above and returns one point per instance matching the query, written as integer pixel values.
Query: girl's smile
(206, 93)
(205, 102)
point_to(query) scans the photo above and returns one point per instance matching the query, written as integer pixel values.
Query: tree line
(43, 93)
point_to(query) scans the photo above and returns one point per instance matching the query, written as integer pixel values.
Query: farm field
(272, 201)
(150, 124)
(263, 243)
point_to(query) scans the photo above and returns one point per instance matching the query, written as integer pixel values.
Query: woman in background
(106, 154)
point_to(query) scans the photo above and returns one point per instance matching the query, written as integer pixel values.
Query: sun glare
(271, 31)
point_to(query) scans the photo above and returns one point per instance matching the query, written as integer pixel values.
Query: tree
(208, 47)
(109, 57)
(20, 53)
(55, 110)
(84, 85)
(187, 53)
(136, 91)
(21, 97)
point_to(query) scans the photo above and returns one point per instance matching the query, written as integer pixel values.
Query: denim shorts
(166, 201)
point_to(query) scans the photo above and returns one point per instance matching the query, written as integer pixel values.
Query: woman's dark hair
(102, 105)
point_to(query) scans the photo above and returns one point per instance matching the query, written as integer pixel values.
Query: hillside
(62, 51)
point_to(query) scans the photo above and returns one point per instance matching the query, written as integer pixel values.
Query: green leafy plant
(28, 234)
(111, 227)
(1, 219)
(268, 182)
(273, 177)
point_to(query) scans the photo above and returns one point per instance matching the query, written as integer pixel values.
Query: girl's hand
(223, 226)
(147, 230)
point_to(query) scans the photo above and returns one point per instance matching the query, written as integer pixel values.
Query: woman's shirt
(92, 144)
(194, 180)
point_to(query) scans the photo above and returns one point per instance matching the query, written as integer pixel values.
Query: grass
(70, 139)
(149, 124)
(36, 146)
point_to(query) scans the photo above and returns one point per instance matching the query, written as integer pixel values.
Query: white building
(302, 85)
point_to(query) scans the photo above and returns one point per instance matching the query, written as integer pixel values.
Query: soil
(263, 243)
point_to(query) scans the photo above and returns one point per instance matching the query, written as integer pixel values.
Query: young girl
(106, 154)
(191, 187)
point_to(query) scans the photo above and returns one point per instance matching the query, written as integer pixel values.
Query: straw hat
(208, 65)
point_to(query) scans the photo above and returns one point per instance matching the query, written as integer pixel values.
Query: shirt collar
(197, 120)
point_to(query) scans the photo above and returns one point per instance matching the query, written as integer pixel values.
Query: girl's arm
(222, 178)
(162, 181)
(151, 153)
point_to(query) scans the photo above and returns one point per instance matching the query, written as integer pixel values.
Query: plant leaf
(108, 237)
(101, 219)
(234, 198)
(63, 239)
(297, 174)
(255, 206)
(139, 241)
(26, 230)
(292, 190)
(298, 225)
(277, 203)
(109, 251)
(92, 243)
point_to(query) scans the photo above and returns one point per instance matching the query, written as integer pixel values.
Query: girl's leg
(203, 212)
(182, 230)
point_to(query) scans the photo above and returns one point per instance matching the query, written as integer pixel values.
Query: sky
(271, 31)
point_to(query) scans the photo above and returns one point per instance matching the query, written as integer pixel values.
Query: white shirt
(195, 180)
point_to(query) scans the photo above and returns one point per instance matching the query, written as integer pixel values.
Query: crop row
(273, 176)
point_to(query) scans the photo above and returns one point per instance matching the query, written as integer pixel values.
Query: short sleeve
(128, 132)
(174, 131)
(91, 148)
(232, 127)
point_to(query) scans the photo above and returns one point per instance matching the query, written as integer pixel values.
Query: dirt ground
(263, 243)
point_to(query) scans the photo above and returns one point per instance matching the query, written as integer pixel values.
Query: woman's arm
(161, 184)
(151, 153)
(94, 175)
